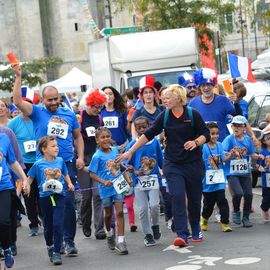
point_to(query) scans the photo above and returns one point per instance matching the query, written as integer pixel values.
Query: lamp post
(242, 29)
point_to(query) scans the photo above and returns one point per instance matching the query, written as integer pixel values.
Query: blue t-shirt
(147, 159)
(244, 106)
(42, 118)
(102, 164)
(143, 112)
(212, 158)
(6, 157)
(216, 111)
(44, 170)
(24, 132)
(238, 165)
(117, 124)
(266, 164)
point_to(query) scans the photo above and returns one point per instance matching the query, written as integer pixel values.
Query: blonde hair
(177, 91)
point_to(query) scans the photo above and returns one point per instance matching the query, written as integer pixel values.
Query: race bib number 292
(57, 129)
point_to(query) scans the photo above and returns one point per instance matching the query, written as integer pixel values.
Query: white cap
(53, 185)
(239, 119)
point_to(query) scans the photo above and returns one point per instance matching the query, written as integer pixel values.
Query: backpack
(190, 116)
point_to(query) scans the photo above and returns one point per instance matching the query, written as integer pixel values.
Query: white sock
(109, 233)
(121, 239)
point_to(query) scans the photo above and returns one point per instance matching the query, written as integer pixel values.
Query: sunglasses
(190, 87)
(238, 125)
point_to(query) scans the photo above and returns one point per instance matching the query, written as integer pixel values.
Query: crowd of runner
(164, 147)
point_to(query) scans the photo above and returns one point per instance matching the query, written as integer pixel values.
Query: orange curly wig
(96, 97)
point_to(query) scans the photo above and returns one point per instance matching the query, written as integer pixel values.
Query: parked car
(258, 107)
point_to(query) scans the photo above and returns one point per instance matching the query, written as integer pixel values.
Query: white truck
(120, 61)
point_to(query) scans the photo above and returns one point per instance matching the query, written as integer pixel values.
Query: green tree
(33, 72)
(166, 14)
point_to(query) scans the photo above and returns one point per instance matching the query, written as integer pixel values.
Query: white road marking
(184, 267)
(178, 249)
(241, 261)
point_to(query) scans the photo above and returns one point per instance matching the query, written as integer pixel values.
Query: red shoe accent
(196, 240)
(180, 242)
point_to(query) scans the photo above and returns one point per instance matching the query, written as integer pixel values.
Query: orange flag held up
(12, 59)
(228, 87)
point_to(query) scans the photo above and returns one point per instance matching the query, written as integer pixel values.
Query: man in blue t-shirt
(212, 107)
(51, 119)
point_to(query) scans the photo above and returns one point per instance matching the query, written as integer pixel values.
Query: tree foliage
(167, 14)
(33, 72)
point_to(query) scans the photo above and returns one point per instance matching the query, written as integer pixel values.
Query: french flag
(240, 67)
(27, 93)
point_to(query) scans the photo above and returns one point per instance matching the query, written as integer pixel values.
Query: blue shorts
(106, 202)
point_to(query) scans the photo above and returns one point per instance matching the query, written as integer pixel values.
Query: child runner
(7, 193)
(147, 179)
(264, 168)
(51, 174)
(238, 169)
(214, 183)
(104, 170)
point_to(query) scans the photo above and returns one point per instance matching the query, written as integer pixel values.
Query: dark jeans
(53, 220)
(70, 213)
(185, 180)
(5, 221)
(212, 198)
(90, 199)
(167, 199)
(32, 201)
(265, 199)
(241, 187)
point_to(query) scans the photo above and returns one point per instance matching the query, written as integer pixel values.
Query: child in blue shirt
(264, 168)
(51, 174)
(104, 170)
(147, 180)
(238, 169)
(214, 182)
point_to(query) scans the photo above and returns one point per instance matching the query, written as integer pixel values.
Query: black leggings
(5, 211)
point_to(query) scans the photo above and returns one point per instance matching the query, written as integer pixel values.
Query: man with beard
(211, 106)
(51, 119)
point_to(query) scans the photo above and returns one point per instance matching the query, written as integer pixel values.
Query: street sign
(121, 30)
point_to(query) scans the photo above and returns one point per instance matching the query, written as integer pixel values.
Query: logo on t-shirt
(147, 164)
(52, 173)
(239, 152)
(267, 162)
(214, 161)
(113, 167)
(57, 119)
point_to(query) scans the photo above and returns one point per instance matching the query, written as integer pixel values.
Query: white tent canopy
(71, 82)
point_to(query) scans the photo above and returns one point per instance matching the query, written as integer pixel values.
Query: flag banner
(240, 67)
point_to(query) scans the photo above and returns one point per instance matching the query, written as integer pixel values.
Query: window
(254, 108)
(265, 109)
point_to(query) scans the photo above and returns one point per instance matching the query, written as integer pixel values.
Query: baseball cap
(239, 119)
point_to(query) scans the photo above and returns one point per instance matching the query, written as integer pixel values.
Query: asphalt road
(244, 248)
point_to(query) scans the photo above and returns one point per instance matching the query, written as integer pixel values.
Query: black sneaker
(111, 242)
(9, 260)
(87, 231)
(149, 240)
(121, 248)
(156, 232)
(101, 236)
(72, 251)
(13, 248)
(246, 222)
(56, 258)
(50, 252)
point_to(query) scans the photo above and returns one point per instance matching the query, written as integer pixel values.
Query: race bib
(148, 182)
(110, 122)
(164, 182)
(267, 178)
(90, 131)
(121, 185)
(214, 177)
(1, 171)
(239, 166)
(29, 146)
(59, 130)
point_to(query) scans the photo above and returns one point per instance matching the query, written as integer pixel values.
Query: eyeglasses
(98, 108)
(190, 87)
(238, 125)
(266, 137)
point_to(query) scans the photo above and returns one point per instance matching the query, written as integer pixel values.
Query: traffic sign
(121, 30)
